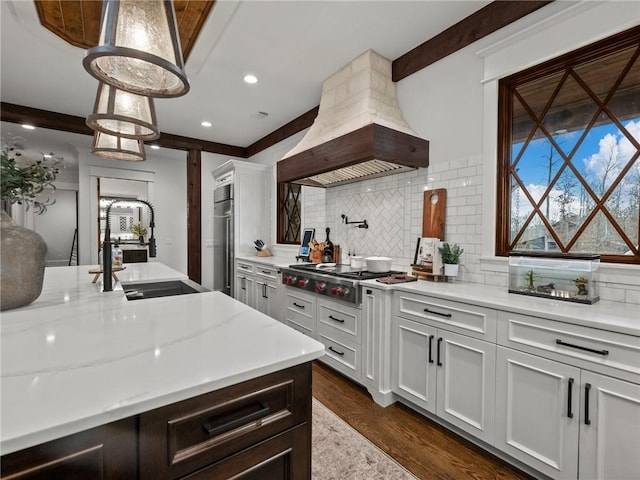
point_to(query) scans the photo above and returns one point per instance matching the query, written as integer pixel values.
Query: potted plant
(23, 251)
(140, 231)
(450, 258)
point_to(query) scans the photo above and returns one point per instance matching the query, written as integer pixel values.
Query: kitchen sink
(166, 288)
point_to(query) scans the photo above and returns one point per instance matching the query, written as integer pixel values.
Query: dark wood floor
(425, 448)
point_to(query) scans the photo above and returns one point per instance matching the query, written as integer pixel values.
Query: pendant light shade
(123, 114)
(139, 49)
(118, 148)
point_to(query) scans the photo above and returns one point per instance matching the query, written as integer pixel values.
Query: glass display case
(567, 277)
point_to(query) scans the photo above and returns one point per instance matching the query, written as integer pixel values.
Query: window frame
(506, 88)
(283, 219)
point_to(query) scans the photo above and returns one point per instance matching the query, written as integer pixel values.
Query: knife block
(265, 252)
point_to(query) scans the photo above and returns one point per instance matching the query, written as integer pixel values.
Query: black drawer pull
(336, 351)
(430, 344)
(438, 362)
(579, 347)
(587, 388)
(569, 397)
(446, 315)
(369, 292)
(336, 319)
(266, 272)
(299, 306)
(214, 428)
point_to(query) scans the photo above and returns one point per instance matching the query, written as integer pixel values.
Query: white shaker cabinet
(446, 373)
(609, 428)
(538, 404)
(245, 284)
(267, 291)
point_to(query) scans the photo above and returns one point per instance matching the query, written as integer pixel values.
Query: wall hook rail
(360, 223)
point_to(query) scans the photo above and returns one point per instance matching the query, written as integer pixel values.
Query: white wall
(453, 104)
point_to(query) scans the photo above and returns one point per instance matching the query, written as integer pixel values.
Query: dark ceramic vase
(23, 254)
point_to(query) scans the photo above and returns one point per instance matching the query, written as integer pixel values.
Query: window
(289, 207)
(568, 150)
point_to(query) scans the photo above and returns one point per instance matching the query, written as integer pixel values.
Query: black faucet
(107, 283)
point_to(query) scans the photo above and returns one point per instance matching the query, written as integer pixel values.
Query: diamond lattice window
(289, 208)
(569, 143)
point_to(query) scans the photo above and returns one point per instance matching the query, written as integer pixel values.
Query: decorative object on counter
(261, 248)
(96, 272)
(317, 249)
(397, 278)
(356, 261)
(360, 223)
(23, 251)
(378, 264)
(140, 231)
(555, 276)
(327, 252)
(451, 258)
(424, 273)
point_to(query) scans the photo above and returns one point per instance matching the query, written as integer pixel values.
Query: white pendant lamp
(118, 148)
(139, 49)
(123, 114)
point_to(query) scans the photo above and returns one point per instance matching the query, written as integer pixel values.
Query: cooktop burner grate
(343, 271)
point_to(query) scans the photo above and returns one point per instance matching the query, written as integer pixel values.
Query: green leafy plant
(450, 253)
(23, 180)
(139, 230)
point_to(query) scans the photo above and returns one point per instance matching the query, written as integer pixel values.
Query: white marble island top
(77, 358)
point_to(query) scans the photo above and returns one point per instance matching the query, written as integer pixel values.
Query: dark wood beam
(194, 215)
(294, 126)
(488, 19)
(12, 113)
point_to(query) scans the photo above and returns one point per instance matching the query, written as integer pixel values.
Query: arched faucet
(107, 282)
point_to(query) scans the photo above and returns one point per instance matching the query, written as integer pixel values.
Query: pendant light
(139, 49)
(118, 148)
(123, 114)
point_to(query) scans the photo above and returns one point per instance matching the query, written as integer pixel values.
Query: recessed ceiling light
(251, 79)
(155, 147)
(206, 124)
(28, 127)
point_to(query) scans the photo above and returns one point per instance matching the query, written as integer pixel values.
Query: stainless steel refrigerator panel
(223, 253)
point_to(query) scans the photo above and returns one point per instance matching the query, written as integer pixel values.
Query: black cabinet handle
(212, 429)
(264, 291)
(299, 306)
(244, 283)
(438, 362)
(569, 398)
(336, 319)
(579, 347)
(336, 351)
(369, 292)
(446, 315)
(266, 272)
(587, 388)
(430, 344)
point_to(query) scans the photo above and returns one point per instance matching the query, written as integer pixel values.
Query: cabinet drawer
(265, 272)
(180, 438)
(300, 310)
(479, 322)
(345, 319)
(341, 355)
(244, 267)
(576, 344)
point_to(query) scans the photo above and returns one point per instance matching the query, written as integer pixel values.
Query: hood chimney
(359, 133)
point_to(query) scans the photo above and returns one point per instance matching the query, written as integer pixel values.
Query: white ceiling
(291, 46)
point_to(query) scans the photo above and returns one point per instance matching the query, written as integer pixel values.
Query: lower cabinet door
(414, 360)
(537, 415)
(285, 456)
(609, 428)
(466, 383)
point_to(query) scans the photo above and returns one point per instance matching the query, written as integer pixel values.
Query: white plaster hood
(359, 133)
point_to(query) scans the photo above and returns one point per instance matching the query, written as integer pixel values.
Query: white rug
(339, 452)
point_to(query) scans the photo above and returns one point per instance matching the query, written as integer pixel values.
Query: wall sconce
(118, 148)
(139, 49)
(123, 114)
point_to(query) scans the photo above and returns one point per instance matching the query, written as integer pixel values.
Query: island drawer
(604, 351)
(464, 318)
(183, 437)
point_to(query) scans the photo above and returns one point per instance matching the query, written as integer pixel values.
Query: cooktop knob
(320, 287)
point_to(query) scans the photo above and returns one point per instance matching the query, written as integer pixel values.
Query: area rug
(339, 452)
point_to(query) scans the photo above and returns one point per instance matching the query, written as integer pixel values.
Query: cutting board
(433, 213)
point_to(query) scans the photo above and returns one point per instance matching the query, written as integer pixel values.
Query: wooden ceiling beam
(71, 123)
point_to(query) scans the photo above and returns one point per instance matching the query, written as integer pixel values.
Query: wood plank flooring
(423, 447)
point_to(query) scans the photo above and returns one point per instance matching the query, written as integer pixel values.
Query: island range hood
(359, 133)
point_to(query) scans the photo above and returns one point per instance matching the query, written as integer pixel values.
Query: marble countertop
(77, 358)
(604, 315)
